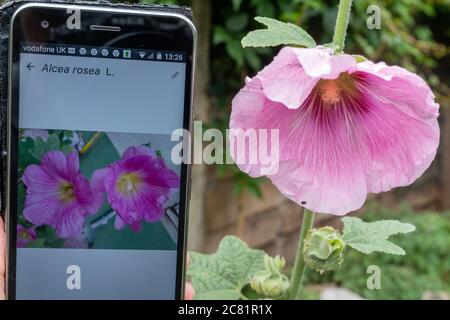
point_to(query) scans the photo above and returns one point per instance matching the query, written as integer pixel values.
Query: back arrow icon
(29, 66)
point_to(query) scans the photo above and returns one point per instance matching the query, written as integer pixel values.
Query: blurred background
(414, 34)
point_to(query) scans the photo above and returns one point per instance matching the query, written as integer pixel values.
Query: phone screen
(99, 201)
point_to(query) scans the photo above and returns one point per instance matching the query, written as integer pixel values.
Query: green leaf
(38, 243)
(252, 59)
(66, 149)
(42, 147)
(277, 33)
(220, 276)
(373, 237)
(237, 22)
(220, 35)
(236, 52)
(264, 8)
(25, 157)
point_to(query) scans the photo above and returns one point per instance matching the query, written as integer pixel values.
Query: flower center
(332, 91)
(24, 235)
(128, 183)
(66, 192)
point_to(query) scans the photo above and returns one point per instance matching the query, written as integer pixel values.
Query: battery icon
(159, 56)
(127, 54)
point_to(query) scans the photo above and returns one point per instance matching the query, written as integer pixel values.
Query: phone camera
(44, 24)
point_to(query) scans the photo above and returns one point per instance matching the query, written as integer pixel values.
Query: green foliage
(425, 267)
(373, 237)
(47, 238)
(223, 275)
(53, 142)
(32, 150)
(277, 33)
(236, 271)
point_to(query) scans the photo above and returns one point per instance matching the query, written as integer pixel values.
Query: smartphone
(96, 204)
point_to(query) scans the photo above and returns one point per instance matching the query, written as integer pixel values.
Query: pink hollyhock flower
(25, 236)
(345, 128)
(137, 186)
(58, 195)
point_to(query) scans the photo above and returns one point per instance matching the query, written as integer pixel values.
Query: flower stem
(89, 144)
(340, 31)
(299, 264)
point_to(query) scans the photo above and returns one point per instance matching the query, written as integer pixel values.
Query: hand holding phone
(96, 206)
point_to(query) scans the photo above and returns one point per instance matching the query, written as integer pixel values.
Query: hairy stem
(340, 31)
(299, 264)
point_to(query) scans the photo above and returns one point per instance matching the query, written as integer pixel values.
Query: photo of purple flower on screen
(137, 187)
(25, 236)
(58, 195)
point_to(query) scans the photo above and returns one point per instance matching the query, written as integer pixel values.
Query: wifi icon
(142, 54)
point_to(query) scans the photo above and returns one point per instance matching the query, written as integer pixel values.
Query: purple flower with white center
(58, 195)
(137, 186)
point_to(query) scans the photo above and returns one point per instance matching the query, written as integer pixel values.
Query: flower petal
(398, 83)
(294, 72)
(73, 163)
(119, 224)
(98, 180)
(401, 134)
(55, 164)
(39, 181)
(40, 208)
(320, 63)
(285, 81)
(251, 110)
(69, 221)
(89, 200)
(138, 151)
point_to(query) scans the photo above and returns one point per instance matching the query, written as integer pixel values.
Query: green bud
(324, 249)
(279, 263)
(276, 287)
(256, 282)
(270, 282)
(275, 265)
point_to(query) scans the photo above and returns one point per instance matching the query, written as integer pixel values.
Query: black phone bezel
(161, 31)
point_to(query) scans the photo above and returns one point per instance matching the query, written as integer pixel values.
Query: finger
(189, 292)
(2, 259)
